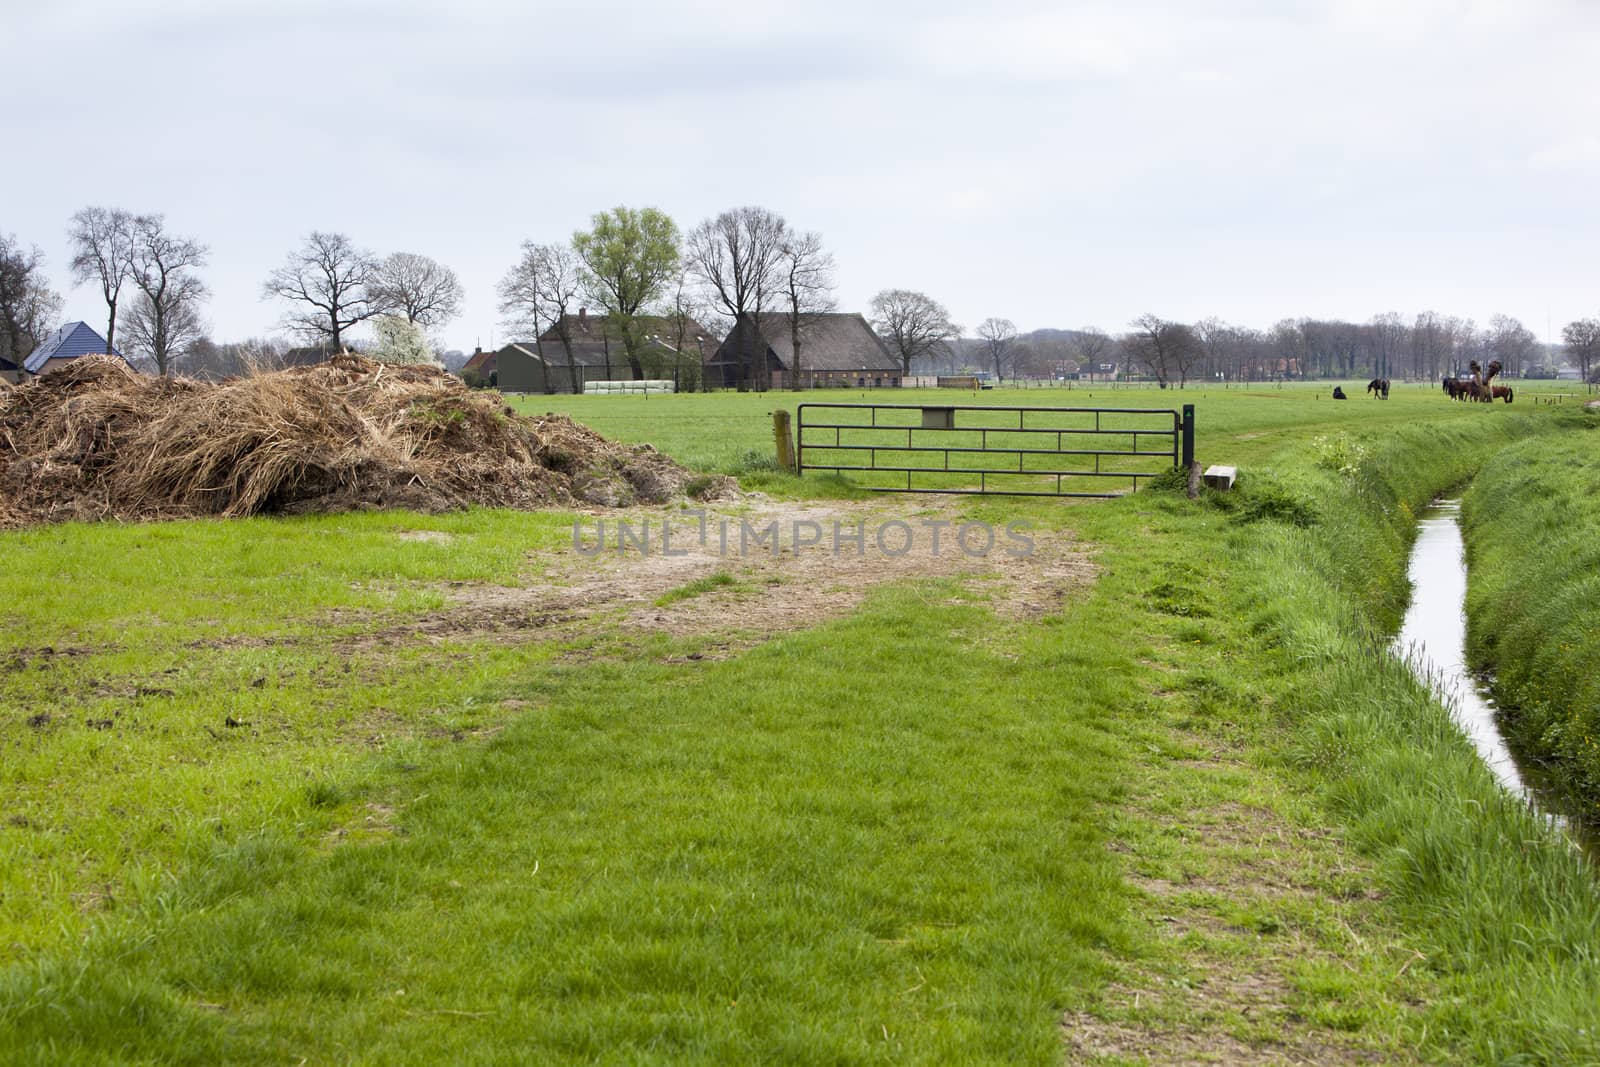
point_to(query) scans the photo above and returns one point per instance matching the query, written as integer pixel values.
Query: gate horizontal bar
(849, 440)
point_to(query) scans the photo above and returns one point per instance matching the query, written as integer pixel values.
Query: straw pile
(95, 440)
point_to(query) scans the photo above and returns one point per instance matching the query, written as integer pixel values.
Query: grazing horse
(1480, 388)
(1503, 392)
(1456, 389)
(1379, 387)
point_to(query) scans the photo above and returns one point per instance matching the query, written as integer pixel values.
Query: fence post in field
(1188, 436)
(785, 442)
(1190, 466)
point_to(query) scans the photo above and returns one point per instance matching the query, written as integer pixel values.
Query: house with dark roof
(73, 340)
(9, 371)
(584, 328)
(544, 366)
(594, 352)
(837, 350)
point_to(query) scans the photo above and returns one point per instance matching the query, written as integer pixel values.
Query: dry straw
(96, 440)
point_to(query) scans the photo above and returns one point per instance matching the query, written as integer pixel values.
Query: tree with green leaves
(628, 255)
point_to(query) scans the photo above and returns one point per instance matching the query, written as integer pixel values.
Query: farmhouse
(482, 364)
(836, 349)
(598, 355)
(73, 340)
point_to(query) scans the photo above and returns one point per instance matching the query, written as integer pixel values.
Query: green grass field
(374, 788)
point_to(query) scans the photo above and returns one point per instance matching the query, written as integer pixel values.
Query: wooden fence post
(785, 442)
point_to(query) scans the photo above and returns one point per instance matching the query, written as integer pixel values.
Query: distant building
(481, 365)
(597, 355)
(73, 341)
(543, 366)
(836, 350)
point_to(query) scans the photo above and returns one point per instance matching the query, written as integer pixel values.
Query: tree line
(657, 288)
(1173, 353)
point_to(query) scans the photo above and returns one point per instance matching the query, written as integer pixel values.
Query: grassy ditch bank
(1505, 914)
(1532, 526)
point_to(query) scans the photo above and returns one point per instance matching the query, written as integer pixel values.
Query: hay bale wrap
(95, 440)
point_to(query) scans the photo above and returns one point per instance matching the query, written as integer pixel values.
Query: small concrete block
(1220, 477)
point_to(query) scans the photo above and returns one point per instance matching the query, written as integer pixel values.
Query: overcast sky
(1058, 164)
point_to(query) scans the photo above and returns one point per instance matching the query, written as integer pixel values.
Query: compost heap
(96, 440)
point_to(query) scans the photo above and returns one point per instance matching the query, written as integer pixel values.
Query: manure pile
(96, 440)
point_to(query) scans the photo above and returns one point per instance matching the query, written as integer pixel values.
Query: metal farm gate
(973, 449)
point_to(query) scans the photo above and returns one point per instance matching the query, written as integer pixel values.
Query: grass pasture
(731, 433)
(389, 788)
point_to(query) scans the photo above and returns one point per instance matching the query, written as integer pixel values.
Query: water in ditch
(1434, 641)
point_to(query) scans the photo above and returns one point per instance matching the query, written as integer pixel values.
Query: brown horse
(1502, 392)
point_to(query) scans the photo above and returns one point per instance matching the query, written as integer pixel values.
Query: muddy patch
(773, 568)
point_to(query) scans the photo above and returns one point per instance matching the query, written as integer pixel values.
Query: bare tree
(163, 337)
(165, 319)
(1511, 343)
(627, 258)
(28, 306)
(806, 277)
(1430, 345)
(737, 257)
(102, 252)
(684, 313)
(424, 290)
(1092, 345)
(334, 279)
(914, 324)
(232, 359)
(1388, 338)
(1582, 339)
(999, 337)
(1223, 348)
(538, 294)
(1163, 348)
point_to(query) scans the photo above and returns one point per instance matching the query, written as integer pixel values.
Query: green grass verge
(918, 834)
(1532, 526)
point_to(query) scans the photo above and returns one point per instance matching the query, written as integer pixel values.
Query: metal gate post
(1188, 436)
